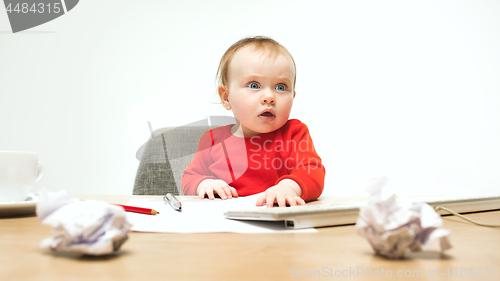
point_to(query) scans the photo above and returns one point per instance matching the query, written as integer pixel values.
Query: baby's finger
(300, 201)
(201, 193)
(281, 200)
(221, 192)
(270, 199)
(260, 201)
(234, 193)
(227, 191)
(210, 193)
(291, 200)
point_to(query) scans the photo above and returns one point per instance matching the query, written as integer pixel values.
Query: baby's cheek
(240, 111)
(246, 111)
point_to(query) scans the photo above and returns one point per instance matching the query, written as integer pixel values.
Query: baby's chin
(255, 132)
(260, 129)
(268, 129)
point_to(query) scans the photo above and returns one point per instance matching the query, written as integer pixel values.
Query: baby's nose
(268, 98)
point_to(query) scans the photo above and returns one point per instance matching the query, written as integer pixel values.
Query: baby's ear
(293, 94)
(224, 96)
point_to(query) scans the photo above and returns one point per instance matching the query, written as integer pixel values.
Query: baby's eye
(253, 86)
(281, 88)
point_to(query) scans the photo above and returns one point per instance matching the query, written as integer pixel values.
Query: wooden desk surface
(232, 256)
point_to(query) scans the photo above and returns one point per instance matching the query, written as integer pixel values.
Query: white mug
(18, 173)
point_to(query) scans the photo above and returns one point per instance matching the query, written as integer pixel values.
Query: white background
(405, 89)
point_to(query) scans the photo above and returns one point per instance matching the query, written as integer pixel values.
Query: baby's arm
(305, 180)
(198, 179)
(287, 191)
(197, 170)
(210, 187)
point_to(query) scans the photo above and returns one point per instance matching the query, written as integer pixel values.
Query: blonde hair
(260, 43)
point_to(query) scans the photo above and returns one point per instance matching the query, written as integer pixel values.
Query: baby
(264, 151)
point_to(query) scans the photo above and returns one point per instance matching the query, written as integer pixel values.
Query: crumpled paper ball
(392, 227)
(89, 227)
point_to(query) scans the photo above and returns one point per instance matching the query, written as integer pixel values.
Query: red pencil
(138, 210)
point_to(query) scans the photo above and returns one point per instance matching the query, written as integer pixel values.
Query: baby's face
(260, 91)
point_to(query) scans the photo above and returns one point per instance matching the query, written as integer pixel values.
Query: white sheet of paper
(202, 216)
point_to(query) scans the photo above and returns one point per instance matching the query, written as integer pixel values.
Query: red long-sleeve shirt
(252, 165)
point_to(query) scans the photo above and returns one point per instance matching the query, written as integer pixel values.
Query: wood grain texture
(233, 256)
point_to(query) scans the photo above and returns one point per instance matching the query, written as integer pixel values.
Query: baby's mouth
(267, 115)
(268, 112)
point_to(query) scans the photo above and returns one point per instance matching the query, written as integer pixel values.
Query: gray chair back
(165, 156)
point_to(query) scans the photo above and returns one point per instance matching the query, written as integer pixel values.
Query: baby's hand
(285, 192)
(210, 187)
